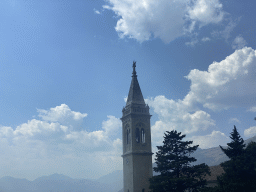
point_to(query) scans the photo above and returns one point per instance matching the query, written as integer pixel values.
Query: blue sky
(66, 66)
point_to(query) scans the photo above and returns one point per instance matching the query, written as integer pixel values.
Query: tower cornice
(136, 110)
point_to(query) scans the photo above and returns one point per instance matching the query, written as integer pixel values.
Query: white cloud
(96, 11)
(118, 144)
(35, 126)
(192, 43)
(234, 120)
(57, 145)
(212, 140)
(112, 125)
(206, 11)
(176, 115)
(250, 132)
(239, 42)
(226, 83)
(60, 113)
(89, 140)
(205, 39)
(252, 109)
(6, 132)
(63, 115)
(163, 19)
(52, 128)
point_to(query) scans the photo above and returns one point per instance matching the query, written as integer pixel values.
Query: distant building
(137, 151)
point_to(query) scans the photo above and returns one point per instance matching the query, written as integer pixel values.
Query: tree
(251, 151)
(174, 164)
(240, 170)
(236, 146)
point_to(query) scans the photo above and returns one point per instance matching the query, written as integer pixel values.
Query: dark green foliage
(236, 146)
(210, 189)
(174, 164)
(239, 176)
(240, 170)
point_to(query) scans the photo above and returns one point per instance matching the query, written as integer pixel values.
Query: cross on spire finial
(134, 71)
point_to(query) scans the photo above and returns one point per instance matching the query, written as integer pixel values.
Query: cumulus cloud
(239, 42)
(226, 83)
(54, 126)
(206, 11)
(100, 139)
(34, 127)
(63, 115)
(212, 140)
(163, 19)
(250, 132)
(112, 125)
(56, 140)
(59, 113)
(6, 132)
(176, 115)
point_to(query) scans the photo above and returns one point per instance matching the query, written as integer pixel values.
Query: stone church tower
(137, 152)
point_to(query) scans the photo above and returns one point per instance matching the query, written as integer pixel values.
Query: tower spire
(135, 95)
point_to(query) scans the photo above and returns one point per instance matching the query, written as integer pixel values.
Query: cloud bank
(58, 143)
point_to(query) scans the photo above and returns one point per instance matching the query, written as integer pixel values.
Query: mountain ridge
(56, 183)
(112, 182)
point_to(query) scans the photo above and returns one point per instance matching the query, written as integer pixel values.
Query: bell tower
(137, 151)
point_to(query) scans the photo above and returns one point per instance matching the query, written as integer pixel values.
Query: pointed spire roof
(135, 96)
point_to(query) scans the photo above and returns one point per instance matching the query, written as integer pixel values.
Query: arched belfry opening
(137, 138)
(128, 136)
(143, 135)
(137, 152)
(140, 133)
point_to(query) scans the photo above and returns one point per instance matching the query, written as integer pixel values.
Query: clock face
(127, 161)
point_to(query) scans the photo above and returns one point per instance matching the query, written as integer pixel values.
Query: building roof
(135, 95)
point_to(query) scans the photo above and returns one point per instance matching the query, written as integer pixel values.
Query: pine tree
(236, 146)
(240, 170)
(174, 164)
(251, 151)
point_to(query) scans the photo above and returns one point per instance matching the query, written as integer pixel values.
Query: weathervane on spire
(134, 71)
